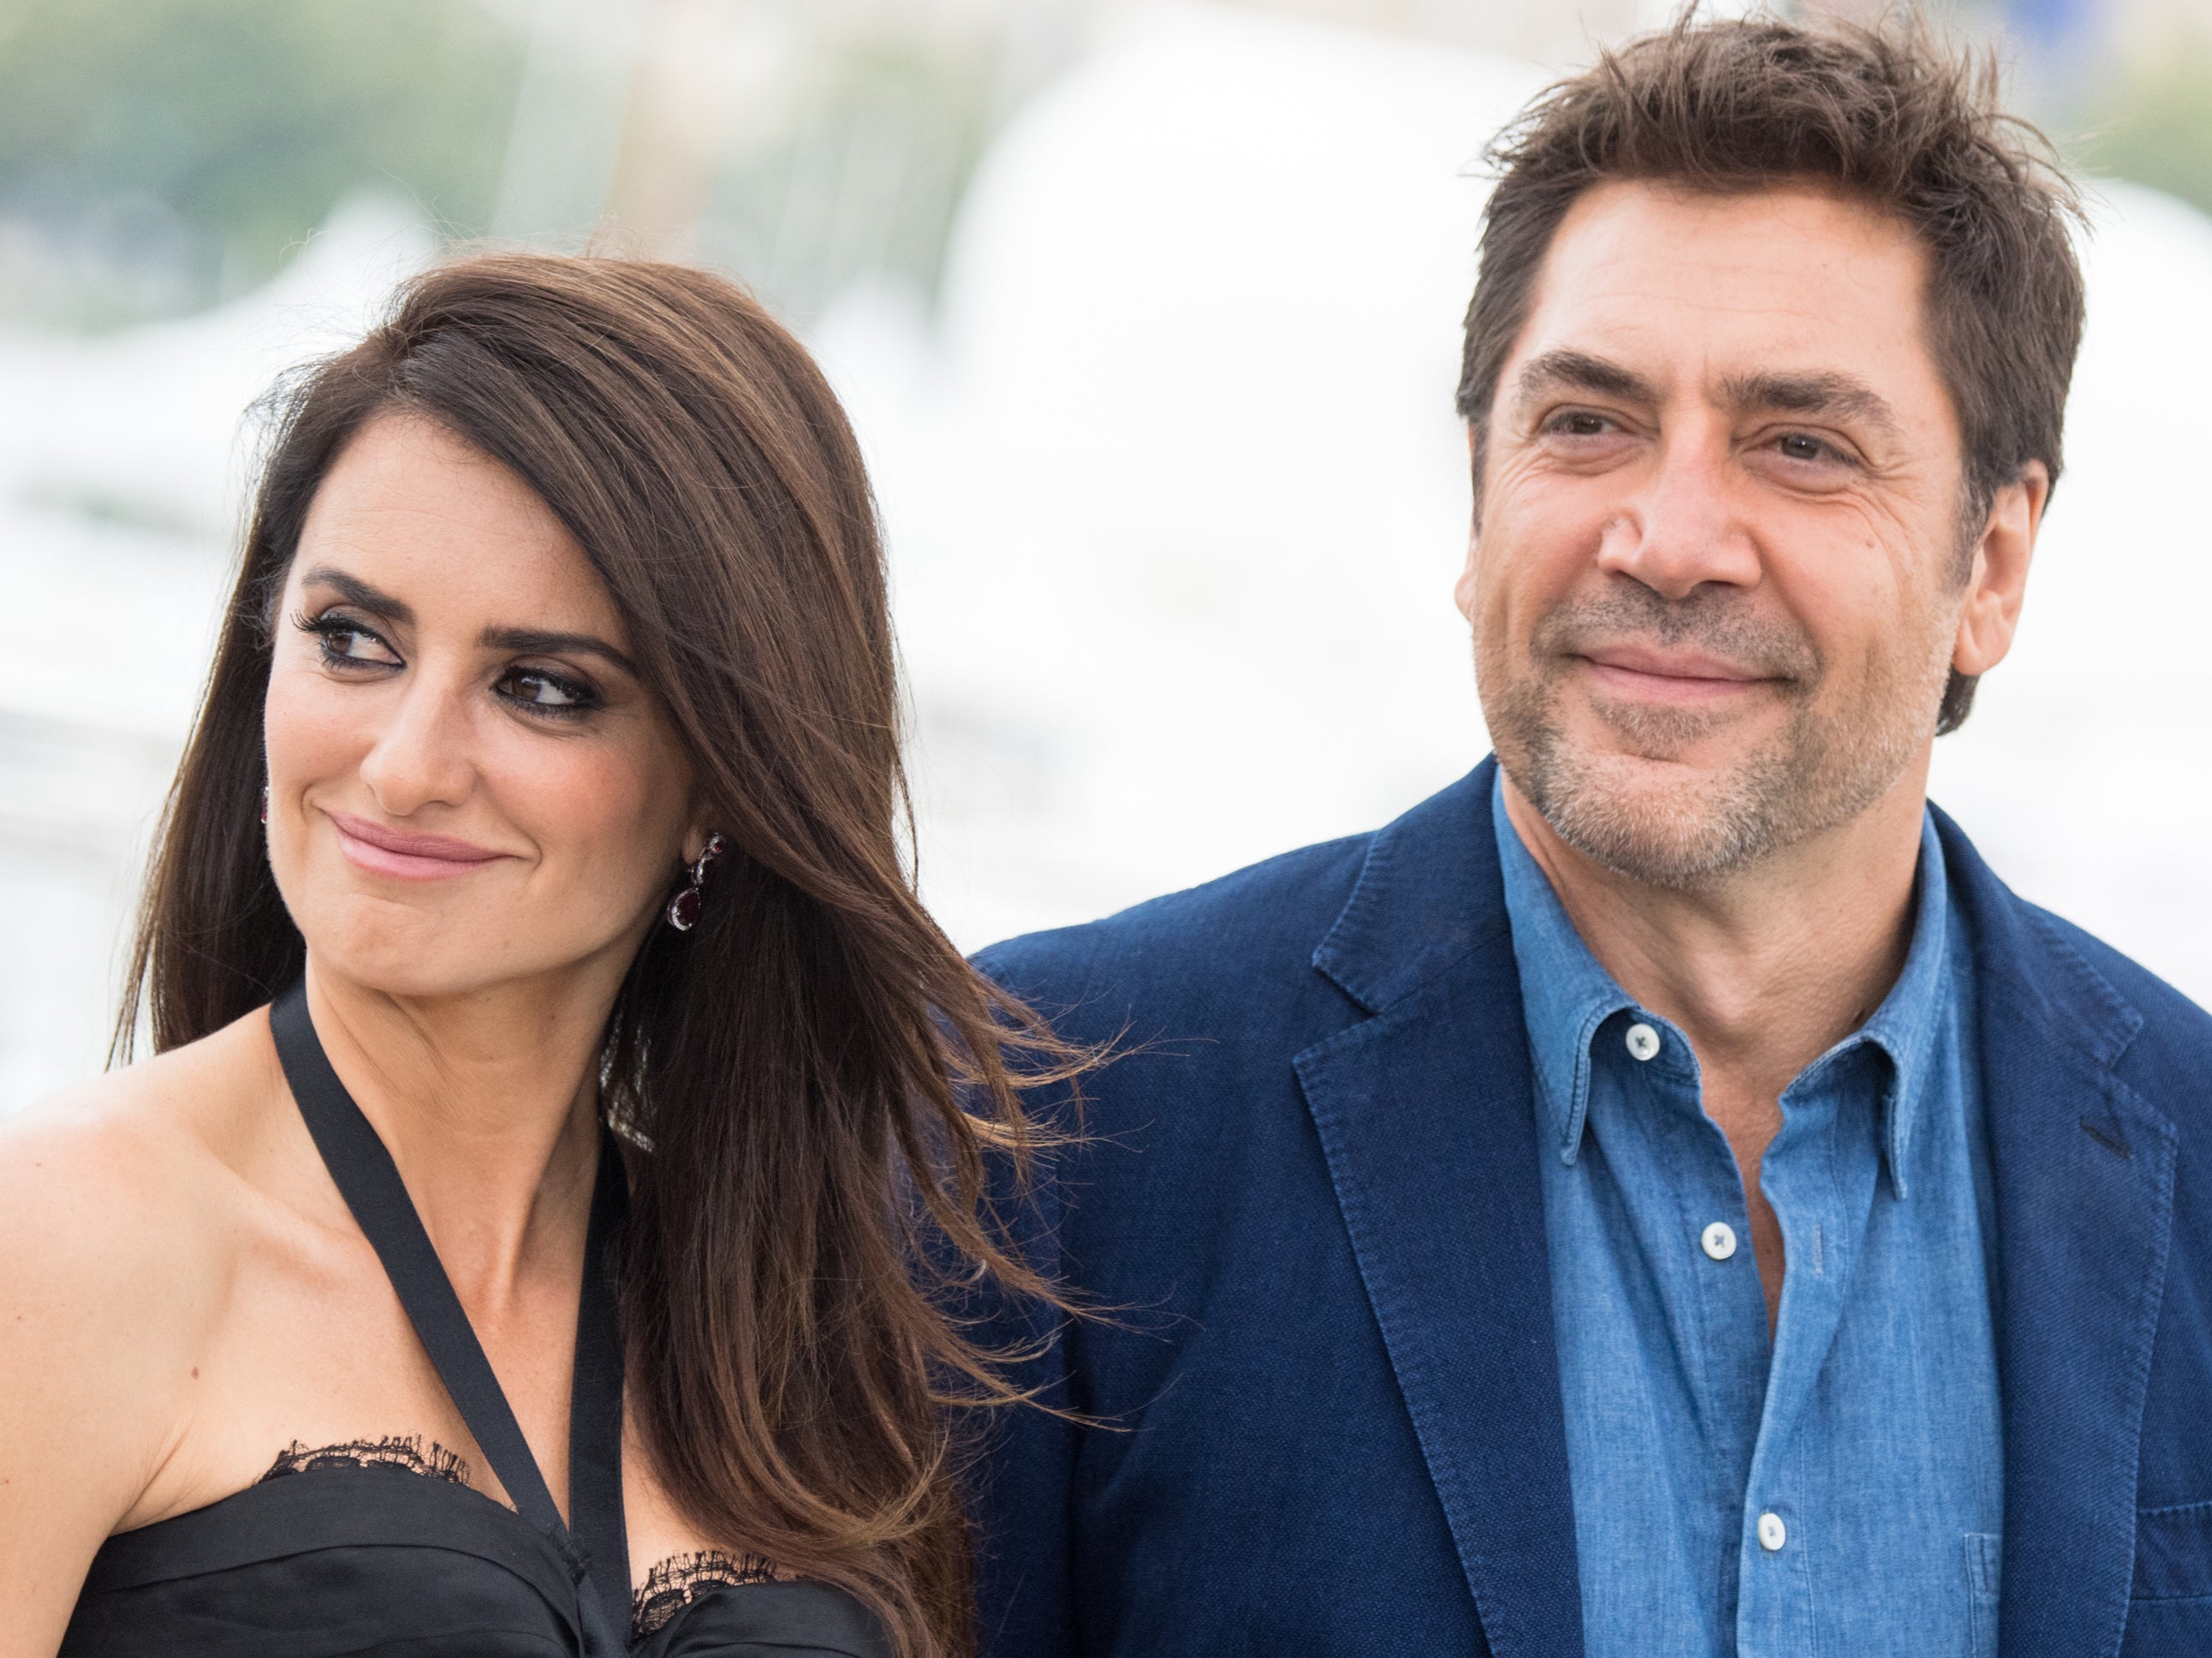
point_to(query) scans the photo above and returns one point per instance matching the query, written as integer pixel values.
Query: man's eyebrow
(356, 592)
(1569, 370)
(1836, 396)
(538, 641)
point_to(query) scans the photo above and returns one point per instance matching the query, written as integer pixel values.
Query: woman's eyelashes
(349, 645)
(546, 694)
(345, 642)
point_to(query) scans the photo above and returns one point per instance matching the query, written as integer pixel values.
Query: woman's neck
(488, 1101)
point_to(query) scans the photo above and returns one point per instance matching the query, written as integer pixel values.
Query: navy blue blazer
(1331, 1400)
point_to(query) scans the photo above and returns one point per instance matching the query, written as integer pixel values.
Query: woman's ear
(698, 830)
(1996, 584)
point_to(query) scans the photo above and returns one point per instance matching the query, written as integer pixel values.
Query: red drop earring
(684, 909)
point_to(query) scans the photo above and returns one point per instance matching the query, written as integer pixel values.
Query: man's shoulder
(2168, 1052)
(1230, 938)
(2153, 1037)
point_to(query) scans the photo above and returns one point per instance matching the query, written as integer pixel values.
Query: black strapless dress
(347, 1558)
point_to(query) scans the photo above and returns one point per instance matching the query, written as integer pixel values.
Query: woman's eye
(351, 643)
(341, 641)
(547, 693)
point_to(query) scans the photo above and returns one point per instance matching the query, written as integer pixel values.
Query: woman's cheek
(312, 736)
(600, 816)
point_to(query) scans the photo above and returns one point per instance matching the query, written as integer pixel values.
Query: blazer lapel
(2083, 1169)
(1427, 1115)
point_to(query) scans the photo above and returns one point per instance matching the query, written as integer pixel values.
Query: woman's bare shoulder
(119, 1213)
(126, 1149)
(116, 1201)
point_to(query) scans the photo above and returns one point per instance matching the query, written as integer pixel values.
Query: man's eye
(1799, 446)
(1577, 424)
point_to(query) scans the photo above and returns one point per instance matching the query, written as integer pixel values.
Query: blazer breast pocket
(2170, 1606)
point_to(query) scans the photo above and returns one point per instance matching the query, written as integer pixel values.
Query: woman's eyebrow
(521, 640)
(356, 592)
(536, 641)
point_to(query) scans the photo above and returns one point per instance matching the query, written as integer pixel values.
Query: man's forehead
(1822, 224)
(1680, 287)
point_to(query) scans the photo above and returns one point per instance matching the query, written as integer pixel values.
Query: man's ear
(1463, 589)
(1997, 583)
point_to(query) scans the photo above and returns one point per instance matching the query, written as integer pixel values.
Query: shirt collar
(1566, 995)
(1908, 1023)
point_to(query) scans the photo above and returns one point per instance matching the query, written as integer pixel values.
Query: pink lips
(1669, 675)
(404, 854)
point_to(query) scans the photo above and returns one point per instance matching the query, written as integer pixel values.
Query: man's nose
(421, 757)
(1682, 528)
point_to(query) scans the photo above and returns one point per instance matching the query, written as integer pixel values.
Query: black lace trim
(678, 1580)
(408, 1453)
(669, 1586)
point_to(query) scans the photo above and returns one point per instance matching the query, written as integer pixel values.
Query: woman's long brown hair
(819, 1076)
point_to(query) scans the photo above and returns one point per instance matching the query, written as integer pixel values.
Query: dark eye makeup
(347, 645)
(345, 642)
(547, 694)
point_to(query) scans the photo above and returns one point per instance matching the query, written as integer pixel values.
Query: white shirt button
(1642, 1042)
(1772, 1534)
(1719, 1242)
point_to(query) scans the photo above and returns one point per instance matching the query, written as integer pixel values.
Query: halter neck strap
(595, 1546)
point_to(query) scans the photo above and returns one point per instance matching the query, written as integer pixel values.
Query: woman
(529, 914)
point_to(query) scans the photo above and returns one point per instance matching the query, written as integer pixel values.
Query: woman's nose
(421, 757)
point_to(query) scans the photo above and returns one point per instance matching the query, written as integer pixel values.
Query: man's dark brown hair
(1885, 116)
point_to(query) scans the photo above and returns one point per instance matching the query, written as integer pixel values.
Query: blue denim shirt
(1839, 1490)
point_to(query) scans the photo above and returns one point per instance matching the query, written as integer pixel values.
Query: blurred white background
(1148, 317)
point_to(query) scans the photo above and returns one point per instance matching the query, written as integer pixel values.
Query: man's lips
(1671, 676)
(406, 854)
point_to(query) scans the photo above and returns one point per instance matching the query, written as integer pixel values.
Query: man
(1662, 1195)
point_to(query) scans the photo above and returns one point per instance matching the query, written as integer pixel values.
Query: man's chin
(1666, 820)
(1647, 763)
(1712, 739)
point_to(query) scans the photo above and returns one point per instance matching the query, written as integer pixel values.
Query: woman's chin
(396, 950)
(425, 957)
(423, 975)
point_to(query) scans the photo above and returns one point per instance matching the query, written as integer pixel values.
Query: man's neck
(1767, 967)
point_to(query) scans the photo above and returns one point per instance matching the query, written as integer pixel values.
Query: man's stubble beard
(1822, 768)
